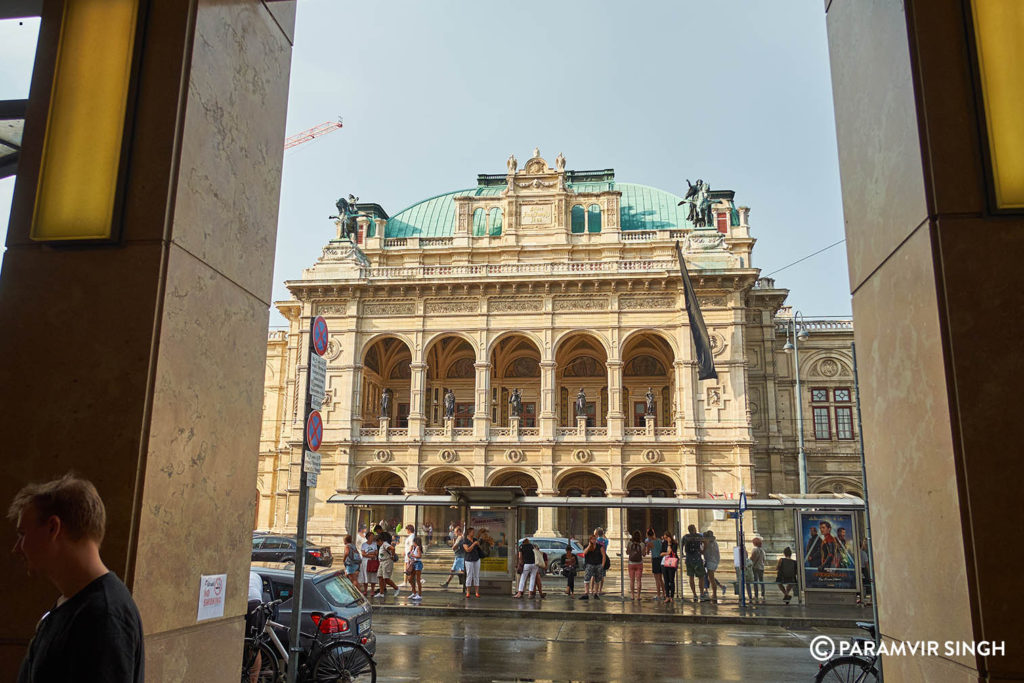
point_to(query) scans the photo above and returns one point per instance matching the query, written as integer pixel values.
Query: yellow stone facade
(519, 300)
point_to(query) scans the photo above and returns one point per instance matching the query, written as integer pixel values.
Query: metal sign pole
(742, 508)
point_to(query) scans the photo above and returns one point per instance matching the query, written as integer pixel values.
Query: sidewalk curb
(652, 617)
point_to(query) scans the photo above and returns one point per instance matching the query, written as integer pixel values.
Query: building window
(579, 219)
(463, 415)
(529, 415)
(402, 418)
(495, 222)
(822, 424)
(591, 413)
(593, 218)
(479, 223)
(722, 221)
(639, 413)
(819, 395)
(841, 395)
(844, 423)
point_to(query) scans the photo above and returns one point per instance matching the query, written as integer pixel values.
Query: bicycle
(331, 658)
(852, 668)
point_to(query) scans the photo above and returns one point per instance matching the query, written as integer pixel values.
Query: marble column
(160, 348)
(418, 380)
(548, 391)
(616, 418)
(482, 405)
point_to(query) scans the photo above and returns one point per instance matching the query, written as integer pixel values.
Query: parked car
(324, 590)
(279, 548)
(555, 550)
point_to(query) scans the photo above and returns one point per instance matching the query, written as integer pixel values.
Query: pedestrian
(712, 558)
(94, 630)
(693, 551)
(369, 564)
(361, 536)
(387, 556)
(526, 565)
(654, 544)
(541, 561)
(635, 555)
(757, 560)
(451, 533)
(429, 528)
(410, 534)
(593, 559)
(352, 559)
(416, 573)
(785, 574)
(743, 574)
(472, 549)
(865, 571)
(458, 567)
(569, 567)
(607, 563)
(669, 565)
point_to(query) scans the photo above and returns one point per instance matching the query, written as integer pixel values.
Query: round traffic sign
(314, 430)
(320, 335)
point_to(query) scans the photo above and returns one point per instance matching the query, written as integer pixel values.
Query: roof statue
(512, 163)
(699, 198)
(560, 163)
(536, 152)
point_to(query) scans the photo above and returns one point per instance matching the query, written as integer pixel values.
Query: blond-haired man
(93, 632)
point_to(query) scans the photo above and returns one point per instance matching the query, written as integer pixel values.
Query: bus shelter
(825, 528)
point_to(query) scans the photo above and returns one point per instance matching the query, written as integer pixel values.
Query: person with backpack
(472, 548)
(459, 563)
(635, 554)
(606, 565)
(693, 550)
(386, 555)
(593, 558)
(569, 567)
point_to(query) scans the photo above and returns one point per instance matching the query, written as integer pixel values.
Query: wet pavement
(613, 608)
(477, 648)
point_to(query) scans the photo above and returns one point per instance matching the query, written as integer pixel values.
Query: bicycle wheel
(342, 662)
(847, 669)
(269, 670)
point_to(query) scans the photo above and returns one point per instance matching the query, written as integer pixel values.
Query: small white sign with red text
(212, 589)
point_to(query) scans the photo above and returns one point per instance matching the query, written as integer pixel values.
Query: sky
(432, 93)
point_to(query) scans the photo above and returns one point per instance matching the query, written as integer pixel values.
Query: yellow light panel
(999, 27)
(78, 177)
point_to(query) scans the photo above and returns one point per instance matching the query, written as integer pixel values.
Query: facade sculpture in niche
(649, 396)
(512, 163)
(449, 404)
(581, 404)
(560, 163)
(515, 404)
(536, 152)
(385, 403)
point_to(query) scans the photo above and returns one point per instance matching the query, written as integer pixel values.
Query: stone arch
(810, 361)
(451, 359)
(834, 484)
(516, 476)
(493, 342)
(601, 339)
(564, 479)
(381, 480)
(672, 342)
(437, 336)
(650, 478)
(365, 344)
(515, 360)
(434, 480)
(385, 367)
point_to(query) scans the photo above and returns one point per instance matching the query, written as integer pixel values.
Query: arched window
(495, 221)
(479, 223)
(593, 218)
(578, 219)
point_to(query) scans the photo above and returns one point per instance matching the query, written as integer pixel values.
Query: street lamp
(798, 336)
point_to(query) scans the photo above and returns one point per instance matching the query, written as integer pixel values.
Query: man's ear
(53, 526)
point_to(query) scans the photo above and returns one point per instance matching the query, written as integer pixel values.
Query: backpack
(692, 544)
(636, 553)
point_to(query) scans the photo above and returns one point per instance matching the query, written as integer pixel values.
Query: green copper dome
(641, 208)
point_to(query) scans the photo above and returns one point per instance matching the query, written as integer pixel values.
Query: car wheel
(555, 567)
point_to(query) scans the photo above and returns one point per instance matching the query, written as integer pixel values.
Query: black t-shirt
(471, 555)
(96, 635)
(593, 556)
(527, 550)
(691, 545)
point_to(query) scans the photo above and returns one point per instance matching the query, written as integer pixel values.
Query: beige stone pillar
(482, 404)
(616, 418)
(547, 518)
(417, 420)
(684, 397)
(548, 396)
(159, 346)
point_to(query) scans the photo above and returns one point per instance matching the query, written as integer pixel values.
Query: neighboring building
(552, 282)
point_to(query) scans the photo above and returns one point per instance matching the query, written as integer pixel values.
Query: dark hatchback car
(324, 590)
(278, 548)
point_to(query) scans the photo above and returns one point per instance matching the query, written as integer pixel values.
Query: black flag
(701, 341)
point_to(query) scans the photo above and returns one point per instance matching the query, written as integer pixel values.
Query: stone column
(613, 527)
(418, 380)
(482, 405)
(546, 518)
(616, 418)
(548, 396)
(385, 425)
(175, 308)
(684, 397)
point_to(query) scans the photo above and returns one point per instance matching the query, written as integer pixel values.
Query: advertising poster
(491, 528)
(828, 552)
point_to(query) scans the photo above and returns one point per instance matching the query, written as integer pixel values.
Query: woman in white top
(367, 578)
(712, 558)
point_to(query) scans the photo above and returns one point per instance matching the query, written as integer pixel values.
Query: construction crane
(311, 134)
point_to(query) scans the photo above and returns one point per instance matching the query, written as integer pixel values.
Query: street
(433, 648)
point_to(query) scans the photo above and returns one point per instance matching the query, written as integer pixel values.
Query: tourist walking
(410, 534)
(593, 559)
(472, 550)
(757, 559)
(369, 565)
(635, 554)
(654, 545)
(352, 559)
(712, 558)
(693, 549)
(416, 568)
(527, 566)
(386, 554)
(607, 563)
(785, 574)
(669, 565)
(569, 567)
(458, 567)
